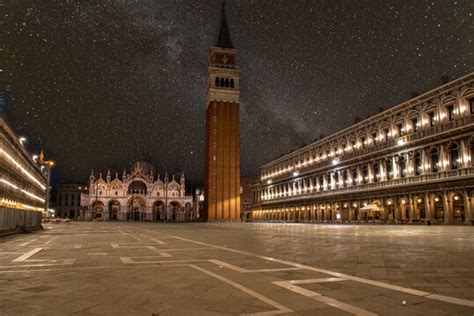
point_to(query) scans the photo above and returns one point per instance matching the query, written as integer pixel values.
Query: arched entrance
(438, 210)
(136, 209)
(159, 211)
(97, 211)
(113, 209)
(175, 209)
(390, 211)
(420, 211)
(458, 208)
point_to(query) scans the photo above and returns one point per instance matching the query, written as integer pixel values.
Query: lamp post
(166, 196)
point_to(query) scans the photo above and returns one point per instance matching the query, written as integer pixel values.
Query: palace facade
(411, 163)
(24, 183)
(139, 195)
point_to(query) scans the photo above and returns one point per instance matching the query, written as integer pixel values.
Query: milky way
(100, 85)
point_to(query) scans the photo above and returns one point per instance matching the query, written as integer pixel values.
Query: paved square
(214, 269)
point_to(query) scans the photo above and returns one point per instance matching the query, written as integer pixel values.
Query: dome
(143, 166)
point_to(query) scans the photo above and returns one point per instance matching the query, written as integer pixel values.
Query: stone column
(358, 211)
(349, 178)
(446, 209)
(383, 171)
(467, 207)
(463, 154)
(442, 158)
(396, 173)
(411, 208)
(384, 214)
(396, 209)
(359, 176)
(425, 163)
(428, 211)
(370, 172)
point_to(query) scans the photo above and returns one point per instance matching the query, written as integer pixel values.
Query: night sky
(101, 85)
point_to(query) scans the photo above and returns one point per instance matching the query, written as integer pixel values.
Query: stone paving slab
(241, 268)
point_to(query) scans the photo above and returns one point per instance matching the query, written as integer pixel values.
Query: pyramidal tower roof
(223, 37)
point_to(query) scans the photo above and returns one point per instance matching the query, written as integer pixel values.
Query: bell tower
(222, 186)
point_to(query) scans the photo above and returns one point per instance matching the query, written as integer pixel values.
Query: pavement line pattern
(443, 298)
(129, 260)
(27, 243)
(309, 281)
(49, 241)
(280, 308)
(156, 240)
(243, 270)
(290, 285)
(65, 262)
(27, 255)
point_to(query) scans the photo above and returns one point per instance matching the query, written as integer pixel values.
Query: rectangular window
(414, 123)
(450, 112)
(386, 133)
(374, 137)
(471, 102)
(431, 116)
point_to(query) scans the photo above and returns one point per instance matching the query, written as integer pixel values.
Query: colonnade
(426, 207)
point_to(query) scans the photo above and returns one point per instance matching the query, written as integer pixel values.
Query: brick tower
(222, 187)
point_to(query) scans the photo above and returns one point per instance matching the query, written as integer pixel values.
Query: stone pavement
(220, 269)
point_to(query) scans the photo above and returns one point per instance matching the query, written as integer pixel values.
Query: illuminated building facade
(23, 184)
(411, 163)
(66, 200)
(139, 195)
(222, 179)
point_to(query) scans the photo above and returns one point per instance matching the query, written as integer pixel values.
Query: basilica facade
(413, 163)
(139, 195)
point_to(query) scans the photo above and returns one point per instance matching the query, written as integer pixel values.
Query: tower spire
(223, 37)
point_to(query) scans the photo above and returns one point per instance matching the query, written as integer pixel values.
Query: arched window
(227, 82)
(454, 156)
(231, 83)
(222, 82)
(376, 172)
(217, 82)
(472, 152)
(389, 168)
(137, 187)
(354, 176)
(434, 160)
(402, 166)
(417, 159)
